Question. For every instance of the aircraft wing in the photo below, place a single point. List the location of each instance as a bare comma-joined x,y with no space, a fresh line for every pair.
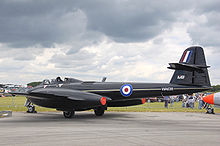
67,95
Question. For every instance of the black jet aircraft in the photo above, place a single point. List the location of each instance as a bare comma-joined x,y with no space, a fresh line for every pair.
70,95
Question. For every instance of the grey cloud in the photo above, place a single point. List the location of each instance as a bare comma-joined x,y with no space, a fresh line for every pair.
81,23
20,54
206,32
9,65
207,6
79,61
29,23
45,23
131,21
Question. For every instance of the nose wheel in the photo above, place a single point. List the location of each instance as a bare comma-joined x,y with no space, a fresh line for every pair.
30,106
68,114
31,109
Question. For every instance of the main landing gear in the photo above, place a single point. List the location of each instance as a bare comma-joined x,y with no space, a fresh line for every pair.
68,114
99,111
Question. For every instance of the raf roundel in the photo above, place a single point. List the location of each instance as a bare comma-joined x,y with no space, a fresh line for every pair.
126,90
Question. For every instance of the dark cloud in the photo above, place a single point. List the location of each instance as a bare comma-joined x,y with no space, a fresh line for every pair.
131,21
206,28
81,23
45,23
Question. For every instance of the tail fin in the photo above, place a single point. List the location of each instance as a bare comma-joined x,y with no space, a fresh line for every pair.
191,69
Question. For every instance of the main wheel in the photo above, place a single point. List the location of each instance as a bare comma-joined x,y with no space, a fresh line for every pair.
99,111
68,114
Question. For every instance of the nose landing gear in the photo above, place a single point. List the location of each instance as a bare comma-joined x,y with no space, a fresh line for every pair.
30,106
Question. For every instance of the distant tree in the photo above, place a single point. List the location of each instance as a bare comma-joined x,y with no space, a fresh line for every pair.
34,84
215,88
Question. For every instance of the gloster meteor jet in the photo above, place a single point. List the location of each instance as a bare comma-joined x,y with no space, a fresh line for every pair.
70,95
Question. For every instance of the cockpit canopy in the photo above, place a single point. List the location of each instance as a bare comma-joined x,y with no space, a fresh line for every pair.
58,80
46,82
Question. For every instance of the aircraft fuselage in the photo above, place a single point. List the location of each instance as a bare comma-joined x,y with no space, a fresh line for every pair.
113,90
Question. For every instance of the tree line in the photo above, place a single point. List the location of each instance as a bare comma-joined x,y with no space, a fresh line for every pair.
34,84
215,88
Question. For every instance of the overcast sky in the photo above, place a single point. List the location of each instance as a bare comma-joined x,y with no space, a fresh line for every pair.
125,40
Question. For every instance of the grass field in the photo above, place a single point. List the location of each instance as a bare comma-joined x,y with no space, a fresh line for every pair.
17,104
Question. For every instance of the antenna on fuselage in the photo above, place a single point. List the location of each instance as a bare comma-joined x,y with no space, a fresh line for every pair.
104,79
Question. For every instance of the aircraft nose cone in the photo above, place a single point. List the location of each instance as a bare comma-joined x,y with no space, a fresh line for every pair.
209,99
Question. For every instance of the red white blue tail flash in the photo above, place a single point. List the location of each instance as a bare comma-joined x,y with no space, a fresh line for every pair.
186,56
126,90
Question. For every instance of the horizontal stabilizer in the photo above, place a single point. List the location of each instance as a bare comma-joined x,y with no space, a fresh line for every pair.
187,67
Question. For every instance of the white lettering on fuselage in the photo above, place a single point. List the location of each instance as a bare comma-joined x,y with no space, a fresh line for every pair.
181,77
167,89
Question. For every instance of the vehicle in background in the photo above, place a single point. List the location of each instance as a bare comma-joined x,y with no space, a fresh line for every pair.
2,90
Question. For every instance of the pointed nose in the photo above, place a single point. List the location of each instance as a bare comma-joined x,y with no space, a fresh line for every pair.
209,99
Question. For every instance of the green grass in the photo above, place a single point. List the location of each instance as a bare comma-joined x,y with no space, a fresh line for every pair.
6,103
17,104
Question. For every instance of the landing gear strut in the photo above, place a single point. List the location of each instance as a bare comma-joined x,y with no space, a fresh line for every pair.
99,111
30,106
68,114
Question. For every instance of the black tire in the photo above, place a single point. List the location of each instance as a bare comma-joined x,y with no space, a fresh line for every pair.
210,111
213,111
99,111
68,114
31,109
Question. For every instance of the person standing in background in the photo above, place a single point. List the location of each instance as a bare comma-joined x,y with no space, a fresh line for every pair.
166,100
177,98
171,101
187,100
200,101
191,101
184,101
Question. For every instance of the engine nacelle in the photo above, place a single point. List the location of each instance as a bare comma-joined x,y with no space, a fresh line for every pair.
127,102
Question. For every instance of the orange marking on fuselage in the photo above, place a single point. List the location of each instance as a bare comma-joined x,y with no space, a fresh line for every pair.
209,99
103,100
143,100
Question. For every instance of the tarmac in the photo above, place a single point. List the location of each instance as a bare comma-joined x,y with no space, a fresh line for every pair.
114,128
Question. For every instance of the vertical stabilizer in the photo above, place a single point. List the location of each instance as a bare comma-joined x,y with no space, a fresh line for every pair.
191,69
